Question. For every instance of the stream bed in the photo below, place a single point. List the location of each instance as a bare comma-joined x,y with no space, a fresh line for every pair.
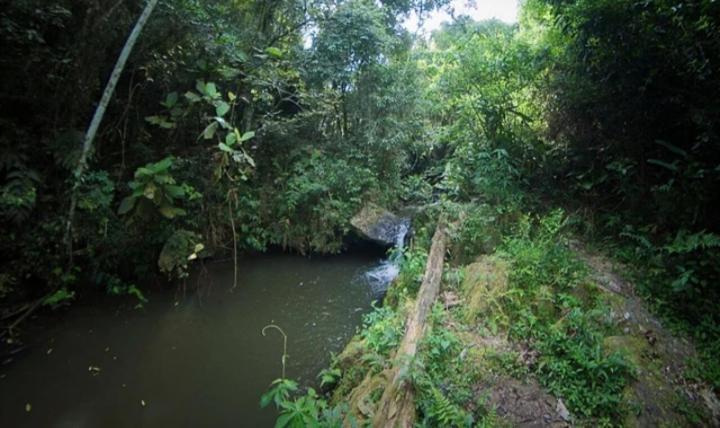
194,361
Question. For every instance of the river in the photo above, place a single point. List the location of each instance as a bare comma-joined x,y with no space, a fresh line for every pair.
197,360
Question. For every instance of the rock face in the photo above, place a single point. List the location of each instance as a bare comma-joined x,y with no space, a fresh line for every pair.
524,404
378,224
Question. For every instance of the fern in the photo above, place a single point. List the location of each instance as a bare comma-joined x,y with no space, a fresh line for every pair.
440,411
685,243
641,240
66,149
18,194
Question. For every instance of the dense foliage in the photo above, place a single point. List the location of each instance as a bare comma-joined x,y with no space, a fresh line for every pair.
242,125
224,127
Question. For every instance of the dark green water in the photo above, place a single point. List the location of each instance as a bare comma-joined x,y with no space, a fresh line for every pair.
195,362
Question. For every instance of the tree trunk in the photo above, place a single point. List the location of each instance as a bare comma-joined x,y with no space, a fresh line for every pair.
397,405
97,119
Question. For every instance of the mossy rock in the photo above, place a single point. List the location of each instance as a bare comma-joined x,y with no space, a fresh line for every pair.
484,283
352,354
350,363
652,398
587,293
632,348
377,223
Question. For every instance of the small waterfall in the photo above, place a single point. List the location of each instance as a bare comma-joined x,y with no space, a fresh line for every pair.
380,277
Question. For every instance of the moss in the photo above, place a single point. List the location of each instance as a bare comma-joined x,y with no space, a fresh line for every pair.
615,302
363,398
632,348
485,282
352,354
654,402
587,293
652,397
351,378
349,361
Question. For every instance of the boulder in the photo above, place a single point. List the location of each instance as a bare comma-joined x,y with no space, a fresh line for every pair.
378,224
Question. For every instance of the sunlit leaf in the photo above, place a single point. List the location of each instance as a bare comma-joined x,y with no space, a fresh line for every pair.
149,191
171,212
274,52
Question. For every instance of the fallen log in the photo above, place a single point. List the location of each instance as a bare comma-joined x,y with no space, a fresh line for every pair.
397,404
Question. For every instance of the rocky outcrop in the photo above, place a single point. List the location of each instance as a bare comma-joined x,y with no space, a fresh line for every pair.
378,224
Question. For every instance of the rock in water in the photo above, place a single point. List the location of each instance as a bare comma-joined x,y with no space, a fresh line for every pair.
378,224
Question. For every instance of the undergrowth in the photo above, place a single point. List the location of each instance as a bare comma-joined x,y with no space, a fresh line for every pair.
677,274
549,307
443,379
543,309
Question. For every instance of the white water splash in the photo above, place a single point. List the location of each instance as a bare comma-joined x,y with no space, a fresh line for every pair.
380,277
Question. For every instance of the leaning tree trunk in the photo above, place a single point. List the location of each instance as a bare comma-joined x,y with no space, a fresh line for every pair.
397,405
97,119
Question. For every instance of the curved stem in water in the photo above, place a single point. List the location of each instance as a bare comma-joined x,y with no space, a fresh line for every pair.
284,355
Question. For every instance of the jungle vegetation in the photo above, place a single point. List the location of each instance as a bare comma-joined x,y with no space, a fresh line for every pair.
244,125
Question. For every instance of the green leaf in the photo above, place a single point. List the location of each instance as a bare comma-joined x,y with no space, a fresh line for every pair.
170,100
249,159
155,120
274,52
209,132
211,90
246,136
161,166
672,148
222,108
224,147
171,212
192,97
231,139
174,191
283,420
658,162
163,179
267,398
60,296
143,171
222,122
149,191
126,205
